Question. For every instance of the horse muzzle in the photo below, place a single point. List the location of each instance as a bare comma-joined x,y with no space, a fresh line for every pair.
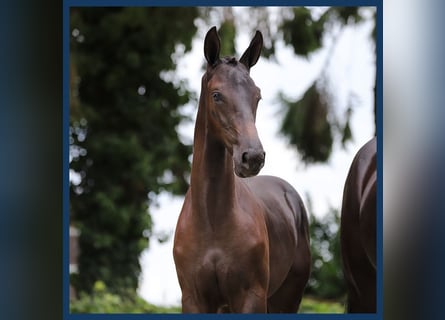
249,162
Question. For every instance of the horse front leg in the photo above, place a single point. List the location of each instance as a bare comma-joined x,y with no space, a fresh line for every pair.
248,284
189,304
253,300
199,304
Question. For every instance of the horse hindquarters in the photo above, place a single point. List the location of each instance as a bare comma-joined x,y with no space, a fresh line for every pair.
358,231
359,273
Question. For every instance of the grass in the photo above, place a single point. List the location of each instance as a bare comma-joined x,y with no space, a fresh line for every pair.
308,305
313,305
102,301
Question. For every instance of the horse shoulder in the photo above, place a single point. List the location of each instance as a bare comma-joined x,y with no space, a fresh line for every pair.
181,243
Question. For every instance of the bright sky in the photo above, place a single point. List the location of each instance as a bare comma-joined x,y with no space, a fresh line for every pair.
354,70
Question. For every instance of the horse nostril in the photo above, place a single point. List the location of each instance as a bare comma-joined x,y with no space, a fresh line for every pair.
248,158
244,157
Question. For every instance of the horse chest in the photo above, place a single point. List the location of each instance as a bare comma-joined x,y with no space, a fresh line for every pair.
221,247
221,270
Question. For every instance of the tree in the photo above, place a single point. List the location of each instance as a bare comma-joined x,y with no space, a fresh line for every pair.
123,140
326,280
307,123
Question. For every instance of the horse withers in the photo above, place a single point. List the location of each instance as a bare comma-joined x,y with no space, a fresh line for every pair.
241,242
358,230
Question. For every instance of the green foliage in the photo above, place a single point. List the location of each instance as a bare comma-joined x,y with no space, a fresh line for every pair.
307,126
308,123
347,133
227,33
303,32
326,280
346,15
101,300
310,305
123,139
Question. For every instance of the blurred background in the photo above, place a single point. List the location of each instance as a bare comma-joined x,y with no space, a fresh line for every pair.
33,170
134,87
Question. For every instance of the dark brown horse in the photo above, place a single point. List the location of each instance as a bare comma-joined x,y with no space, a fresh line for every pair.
241,244
358,230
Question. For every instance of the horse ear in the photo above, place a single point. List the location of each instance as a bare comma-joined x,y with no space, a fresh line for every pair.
252,53
212,46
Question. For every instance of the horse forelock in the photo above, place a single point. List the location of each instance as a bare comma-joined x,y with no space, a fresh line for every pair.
227,60
230,60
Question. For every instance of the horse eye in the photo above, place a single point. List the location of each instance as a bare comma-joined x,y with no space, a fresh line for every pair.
217,96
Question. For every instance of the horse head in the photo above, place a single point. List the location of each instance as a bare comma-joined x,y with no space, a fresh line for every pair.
231,98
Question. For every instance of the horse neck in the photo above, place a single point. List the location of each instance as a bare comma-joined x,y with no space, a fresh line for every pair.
212,177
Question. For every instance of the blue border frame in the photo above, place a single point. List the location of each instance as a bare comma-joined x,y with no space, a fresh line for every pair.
65,124
379,131
221,3
65,157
